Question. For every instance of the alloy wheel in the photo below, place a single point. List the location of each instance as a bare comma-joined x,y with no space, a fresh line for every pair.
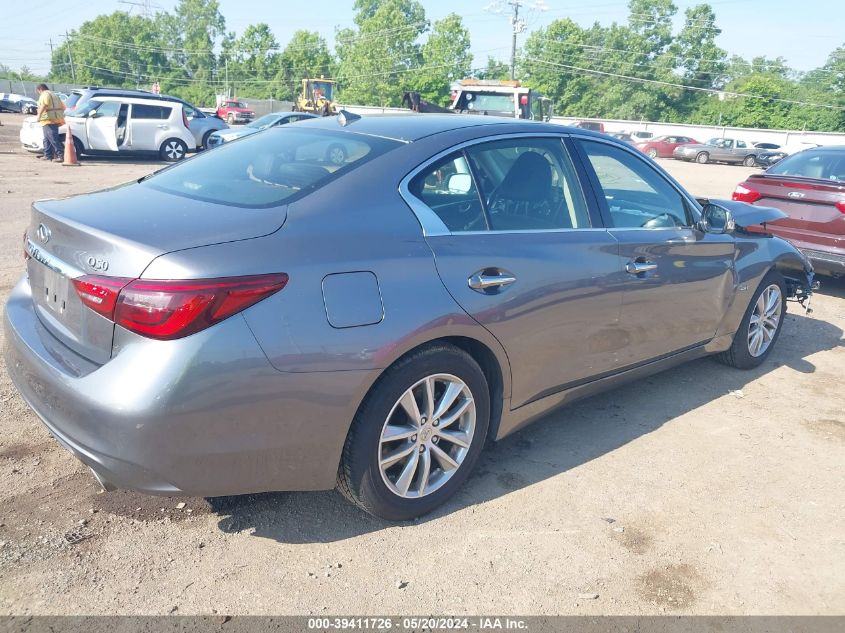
174,150
765,320
426,436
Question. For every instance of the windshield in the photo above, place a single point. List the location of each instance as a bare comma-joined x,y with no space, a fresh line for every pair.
235,104
486,102
72,100
266,121
91,104
322,90
264,170
820,165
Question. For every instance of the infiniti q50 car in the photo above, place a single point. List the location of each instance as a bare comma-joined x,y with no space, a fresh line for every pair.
262,318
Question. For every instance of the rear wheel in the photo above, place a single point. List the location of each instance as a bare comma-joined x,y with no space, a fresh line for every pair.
173,150
652,153
205,139
417,435
336,154
761,325
702,158
750,161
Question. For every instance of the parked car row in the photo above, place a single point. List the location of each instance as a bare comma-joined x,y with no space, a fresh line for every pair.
11,102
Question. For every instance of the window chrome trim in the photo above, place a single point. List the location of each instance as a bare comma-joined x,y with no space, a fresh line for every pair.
431,223
694,206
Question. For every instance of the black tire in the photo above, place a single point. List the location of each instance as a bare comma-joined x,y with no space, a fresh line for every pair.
702,158
739,355
173,150
77,145
230,119
336,154
651,153
359,476
205,139
750,161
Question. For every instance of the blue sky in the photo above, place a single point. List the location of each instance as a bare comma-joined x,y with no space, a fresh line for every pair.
749,27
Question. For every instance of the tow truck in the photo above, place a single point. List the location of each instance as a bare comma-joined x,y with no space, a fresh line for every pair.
480,96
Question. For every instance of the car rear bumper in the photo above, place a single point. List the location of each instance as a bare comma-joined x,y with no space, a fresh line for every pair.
824,261
206,415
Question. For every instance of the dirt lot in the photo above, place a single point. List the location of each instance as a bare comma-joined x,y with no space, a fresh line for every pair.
701,490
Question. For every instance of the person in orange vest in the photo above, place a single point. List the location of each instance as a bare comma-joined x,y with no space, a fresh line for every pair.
51,115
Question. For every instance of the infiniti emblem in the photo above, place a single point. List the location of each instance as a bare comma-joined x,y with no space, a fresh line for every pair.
43,233
795,194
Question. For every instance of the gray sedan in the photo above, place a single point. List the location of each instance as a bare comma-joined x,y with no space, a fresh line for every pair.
721,150
267,121
261,318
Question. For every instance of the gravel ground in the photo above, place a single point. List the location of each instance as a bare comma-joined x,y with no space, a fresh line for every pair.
702,490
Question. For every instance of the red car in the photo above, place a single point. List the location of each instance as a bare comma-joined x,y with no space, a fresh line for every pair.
810,188
663,146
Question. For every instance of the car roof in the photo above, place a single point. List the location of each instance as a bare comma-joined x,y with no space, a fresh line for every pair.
133,99
413,126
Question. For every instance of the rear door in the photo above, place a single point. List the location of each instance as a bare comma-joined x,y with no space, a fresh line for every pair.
101,127
518,248
149,126
678,280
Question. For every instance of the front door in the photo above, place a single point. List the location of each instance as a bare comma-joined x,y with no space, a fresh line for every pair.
101,127
678,280
520,251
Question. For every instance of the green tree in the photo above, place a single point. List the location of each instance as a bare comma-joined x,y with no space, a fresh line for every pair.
494,70
306,56
652,20
375,59
251,61
445,59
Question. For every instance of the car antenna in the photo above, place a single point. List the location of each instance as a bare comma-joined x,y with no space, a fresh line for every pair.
344,117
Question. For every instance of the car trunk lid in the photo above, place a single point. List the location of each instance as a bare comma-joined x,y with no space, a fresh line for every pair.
109,233
809,204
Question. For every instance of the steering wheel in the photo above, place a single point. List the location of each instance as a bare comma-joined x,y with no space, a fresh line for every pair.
657,221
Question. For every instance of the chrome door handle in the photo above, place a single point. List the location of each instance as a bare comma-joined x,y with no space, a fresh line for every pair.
635,268
479,281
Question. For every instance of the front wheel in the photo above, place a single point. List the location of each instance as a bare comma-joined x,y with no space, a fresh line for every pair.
173,150
652,153
750,161
761,325
417,435
702,158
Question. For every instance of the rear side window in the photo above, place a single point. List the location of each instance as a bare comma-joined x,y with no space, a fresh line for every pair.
143,111
72,99
263,170
824,165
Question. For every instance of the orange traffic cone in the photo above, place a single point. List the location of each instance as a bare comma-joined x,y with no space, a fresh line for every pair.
70,151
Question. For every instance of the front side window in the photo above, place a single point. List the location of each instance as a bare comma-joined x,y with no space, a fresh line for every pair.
512,185
274,167
637,195
108,108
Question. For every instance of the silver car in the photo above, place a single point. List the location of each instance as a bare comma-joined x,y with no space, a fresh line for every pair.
720,150
260,318
267,121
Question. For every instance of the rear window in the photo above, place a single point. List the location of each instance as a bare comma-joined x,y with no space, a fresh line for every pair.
72,100
143,111
821,165
268,168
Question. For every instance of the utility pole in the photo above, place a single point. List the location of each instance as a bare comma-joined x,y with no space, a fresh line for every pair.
518,27
70,57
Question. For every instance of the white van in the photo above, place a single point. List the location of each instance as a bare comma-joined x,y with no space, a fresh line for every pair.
124,125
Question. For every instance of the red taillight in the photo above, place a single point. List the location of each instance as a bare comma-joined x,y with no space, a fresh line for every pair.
841,206
173,309
744,193
185,119
100,293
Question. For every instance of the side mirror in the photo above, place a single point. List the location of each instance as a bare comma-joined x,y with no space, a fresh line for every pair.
93,114
716,219
460,183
